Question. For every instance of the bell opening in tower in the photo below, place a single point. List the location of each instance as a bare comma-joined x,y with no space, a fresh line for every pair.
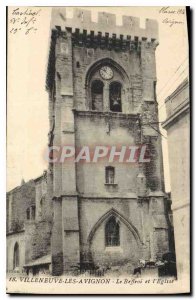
97,95
115,97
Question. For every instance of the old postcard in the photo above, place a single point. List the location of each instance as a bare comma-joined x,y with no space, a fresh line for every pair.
98,198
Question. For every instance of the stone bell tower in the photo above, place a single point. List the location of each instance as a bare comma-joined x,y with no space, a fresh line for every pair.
101,81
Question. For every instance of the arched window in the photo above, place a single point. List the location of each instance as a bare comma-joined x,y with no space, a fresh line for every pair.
109,175
16,256
33,212
112,233
115,97
41,205
28,213
97,95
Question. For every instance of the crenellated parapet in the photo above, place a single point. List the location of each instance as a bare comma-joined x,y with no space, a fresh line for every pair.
104,34
81,22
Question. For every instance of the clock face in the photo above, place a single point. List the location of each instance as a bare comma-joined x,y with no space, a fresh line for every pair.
106,72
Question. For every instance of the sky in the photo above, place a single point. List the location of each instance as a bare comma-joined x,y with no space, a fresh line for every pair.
27,99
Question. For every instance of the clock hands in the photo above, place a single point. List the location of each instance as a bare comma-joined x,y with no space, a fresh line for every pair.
106,72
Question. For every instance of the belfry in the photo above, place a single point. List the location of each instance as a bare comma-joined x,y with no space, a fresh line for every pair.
101,82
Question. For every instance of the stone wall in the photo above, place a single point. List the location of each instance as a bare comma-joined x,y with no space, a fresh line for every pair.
93,130
38,231
38,239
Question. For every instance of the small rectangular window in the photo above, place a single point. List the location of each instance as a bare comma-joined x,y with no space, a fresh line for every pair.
109,175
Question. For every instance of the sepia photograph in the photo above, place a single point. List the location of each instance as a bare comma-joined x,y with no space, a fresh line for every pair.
98,150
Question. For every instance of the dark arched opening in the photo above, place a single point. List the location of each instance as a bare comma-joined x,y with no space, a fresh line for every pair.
97,95
33,212
28,213
16,256
115,97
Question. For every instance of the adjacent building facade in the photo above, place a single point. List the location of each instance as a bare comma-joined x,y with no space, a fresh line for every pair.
177,125
101,81
20,201
29,224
